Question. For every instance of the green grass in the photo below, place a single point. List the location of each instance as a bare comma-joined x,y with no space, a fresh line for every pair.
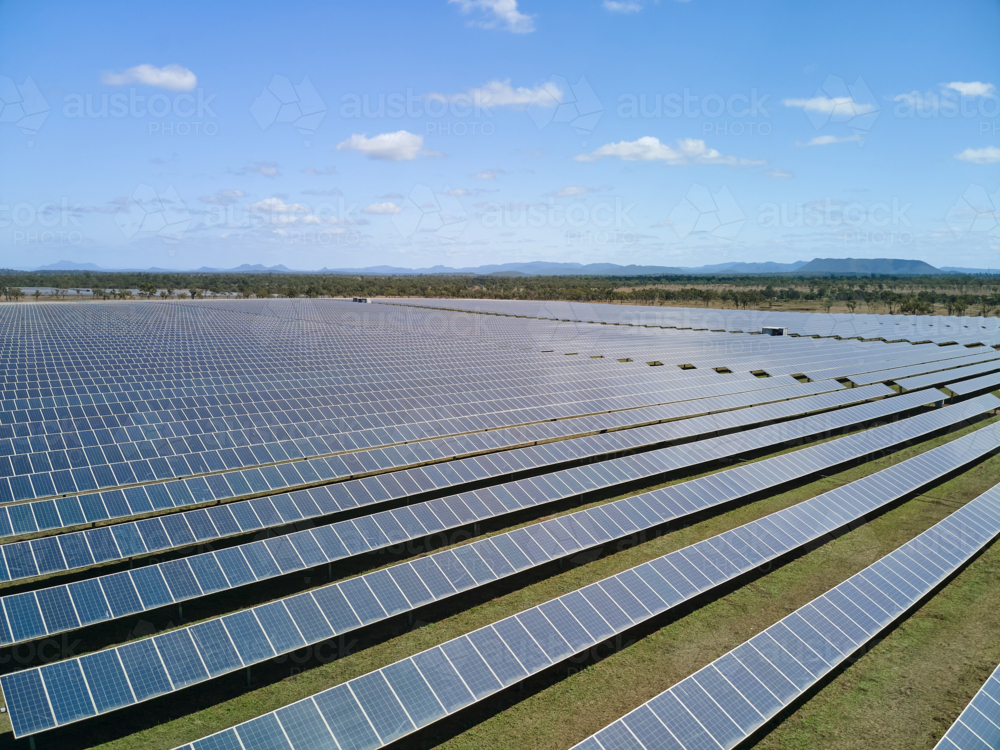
907,689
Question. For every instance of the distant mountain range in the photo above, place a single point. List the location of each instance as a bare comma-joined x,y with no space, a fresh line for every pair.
543,268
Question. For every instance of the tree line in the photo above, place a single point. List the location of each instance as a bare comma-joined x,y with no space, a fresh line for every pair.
956,295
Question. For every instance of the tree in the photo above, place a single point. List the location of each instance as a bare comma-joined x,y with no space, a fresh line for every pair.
37,294
851,304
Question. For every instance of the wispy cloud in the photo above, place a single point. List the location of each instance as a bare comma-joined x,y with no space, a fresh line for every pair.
399,146
487,174
972,88
381,209
498,14
987,155
826,140
779,174
169,77
843,106
628,6
264,168
499,93
316,170
223,197
689,151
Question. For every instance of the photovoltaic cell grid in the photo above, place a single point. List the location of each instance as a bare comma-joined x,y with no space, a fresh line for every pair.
949,376
417,691
355,401
48,611
254,635
991,382
66,512
77,461
48,555
56,446
937,329
723,703
978,726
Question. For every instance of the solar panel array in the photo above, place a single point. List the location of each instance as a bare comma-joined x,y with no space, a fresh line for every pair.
133,429
726,701
82,549
71,511
938,329
949,376
978,726
49,611
382,706
984,383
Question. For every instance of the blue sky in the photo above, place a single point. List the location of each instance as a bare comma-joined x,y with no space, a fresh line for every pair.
488,131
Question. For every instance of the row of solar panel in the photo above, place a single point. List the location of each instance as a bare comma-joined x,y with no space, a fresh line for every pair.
105,544
729,699
50,611
978,726
380,707
481,391
217,452
949,376
846,326
63,513
42,612
976,384
88,478
921,366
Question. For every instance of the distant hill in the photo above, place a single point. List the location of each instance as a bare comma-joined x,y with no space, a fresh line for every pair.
887,266
956,269
832,266
768,267
69,265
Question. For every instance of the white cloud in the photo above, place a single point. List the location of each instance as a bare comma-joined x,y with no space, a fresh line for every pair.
571,191
839,105
264,168
987,155
325,170
328,191
223,197
499,12
169,77
779,174
499,93
456,193
629,6
826,140
398,146
279,212
648,148
487,174
381,209
972,88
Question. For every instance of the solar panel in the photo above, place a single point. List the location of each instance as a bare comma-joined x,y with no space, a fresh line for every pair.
777,666
184,529
978,726
69,511
352,603
465,670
